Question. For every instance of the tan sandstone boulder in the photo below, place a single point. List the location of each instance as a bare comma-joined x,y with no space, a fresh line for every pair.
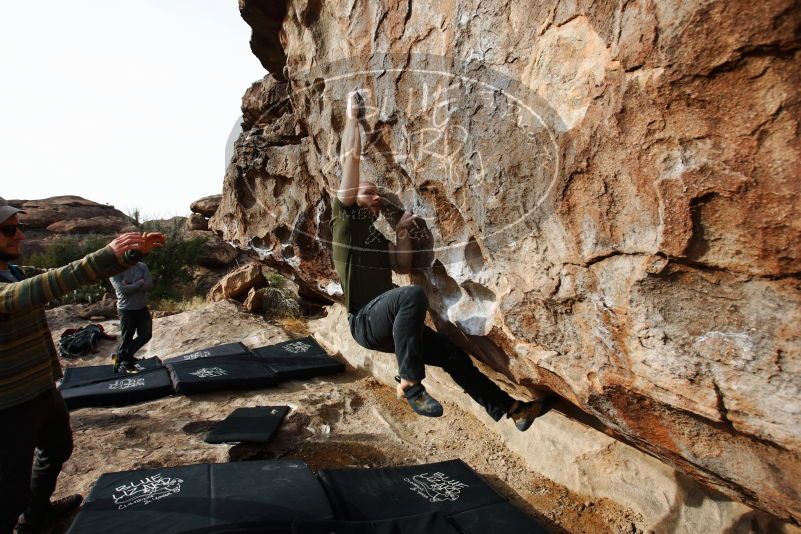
611,188
215,251
196,221
238,282
272,301
206,206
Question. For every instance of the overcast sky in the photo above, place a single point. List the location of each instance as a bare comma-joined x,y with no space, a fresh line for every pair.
125,103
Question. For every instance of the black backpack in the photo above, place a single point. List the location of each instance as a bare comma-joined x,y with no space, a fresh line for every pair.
76,342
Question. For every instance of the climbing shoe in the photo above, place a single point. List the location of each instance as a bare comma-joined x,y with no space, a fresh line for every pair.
526,412
43,520
421,402
115,361
129,368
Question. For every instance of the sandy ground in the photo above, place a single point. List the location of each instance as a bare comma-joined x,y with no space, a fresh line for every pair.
346,420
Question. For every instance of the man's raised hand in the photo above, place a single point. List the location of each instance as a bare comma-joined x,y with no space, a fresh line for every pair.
409,226
143,243
355,108
153,240
408,221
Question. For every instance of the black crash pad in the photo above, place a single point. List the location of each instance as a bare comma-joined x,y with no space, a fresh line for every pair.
220,373
82,376
502,517
418,524
298,359
250,425
261,496
371,494
227,349
121,390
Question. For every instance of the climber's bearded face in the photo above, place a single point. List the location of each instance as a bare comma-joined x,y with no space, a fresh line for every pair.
369,198
9,245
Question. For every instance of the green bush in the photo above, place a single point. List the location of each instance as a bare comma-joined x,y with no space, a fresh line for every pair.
66,250
275,279
171,266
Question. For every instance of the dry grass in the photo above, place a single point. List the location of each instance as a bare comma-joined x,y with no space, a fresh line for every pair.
294,326
178,306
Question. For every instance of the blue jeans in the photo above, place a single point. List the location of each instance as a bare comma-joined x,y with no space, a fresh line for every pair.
395,322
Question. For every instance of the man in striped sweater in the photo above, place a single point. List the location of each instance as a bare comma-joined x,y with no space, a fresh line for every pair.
35,434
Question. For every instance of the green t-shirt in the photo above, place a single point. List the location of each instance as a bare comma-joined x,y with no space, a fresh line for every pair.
361,256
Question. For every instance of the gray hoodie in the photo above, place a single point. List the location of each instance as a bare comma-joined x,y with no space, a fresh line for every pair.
132,287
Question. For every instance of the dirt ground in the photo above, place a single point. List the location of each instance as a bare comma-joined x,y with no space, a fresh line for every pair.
345,420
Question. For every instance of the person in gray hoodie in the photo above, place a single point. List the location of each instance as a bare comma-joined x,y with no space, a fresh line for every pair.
132,287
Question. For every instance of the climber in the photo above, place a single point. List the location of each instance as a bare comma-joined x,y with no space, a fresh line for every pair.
391,319
35,434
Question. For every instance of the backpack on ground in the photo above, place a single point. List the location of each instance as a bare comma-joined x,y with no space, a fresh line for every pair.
76,342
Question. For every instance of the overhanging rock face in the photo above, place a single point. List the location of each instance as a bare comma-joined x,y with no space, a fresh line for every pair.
612,193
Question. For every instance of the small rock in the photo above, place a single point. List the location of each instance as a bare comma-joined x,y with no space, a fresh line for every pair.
215,252
197,221
238,282
273,301
206,206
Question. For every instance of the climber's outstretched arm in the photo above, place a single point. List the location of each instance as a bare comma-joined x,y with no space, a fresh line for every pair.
350,152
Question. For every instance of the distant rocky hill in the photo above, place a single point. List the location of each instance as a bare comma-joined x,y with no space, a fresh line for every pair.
50,218
72,217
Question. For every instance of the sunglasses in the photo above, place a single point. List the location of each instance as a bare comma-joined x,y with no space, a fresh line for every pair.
11,229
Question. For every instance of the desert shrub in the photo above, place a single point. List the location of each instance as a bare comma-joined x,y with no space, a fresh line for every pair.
65,250
173,305
136,215
275,278
171,266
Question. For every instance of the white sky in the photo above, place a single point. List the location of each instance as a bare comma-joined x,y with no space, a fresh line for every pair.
121,102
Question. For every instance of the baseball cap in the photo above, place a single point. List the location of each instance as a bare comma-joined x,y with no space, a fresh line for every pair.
7,210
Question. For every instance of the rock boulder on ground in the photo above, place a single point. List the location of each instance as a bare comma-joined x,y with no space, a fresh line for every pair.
272,301
238,282
196,221
103,308
612,192
215,252
204,278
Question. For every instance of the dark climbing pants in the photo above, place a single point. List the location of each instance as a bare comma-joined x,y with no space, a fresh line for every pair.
395,322
35,441
134,322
